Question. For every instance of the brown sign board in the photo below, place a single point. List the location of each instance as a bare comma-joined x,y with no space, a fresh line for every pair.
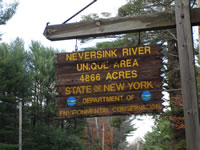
109,98
109,110
109,78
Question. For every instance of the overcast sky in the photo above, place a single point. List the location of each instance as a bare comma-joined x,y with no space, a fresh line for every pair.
32,15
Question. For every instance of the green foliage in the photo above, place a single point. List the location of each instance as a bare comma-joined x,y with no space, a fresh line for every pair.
94,16
123,128
44,137
30,76
6,12
13,68
159,138
141,7
89,17
14,84
8,146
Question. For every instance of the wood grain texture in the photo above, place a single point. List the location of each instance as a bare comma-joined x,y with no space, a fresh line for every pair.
122,68
102,27
110,110
188,79
109,99
142,74
61,57
98,66
115,87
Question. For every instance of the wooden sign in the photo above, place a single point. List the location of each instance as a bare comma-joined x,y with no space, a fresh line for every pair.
118,77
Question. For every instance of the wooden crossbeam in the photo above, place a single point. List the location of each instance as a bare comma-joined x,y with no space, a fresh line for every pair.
112,26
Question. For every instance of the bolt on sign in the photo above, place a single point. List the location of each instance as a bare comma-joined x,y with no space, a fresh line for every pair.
116,81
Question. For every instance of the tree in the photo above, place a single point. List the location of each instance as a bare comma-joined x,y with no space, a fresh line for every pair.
43,74
30,77
159,138
14,85
41,129
122,128
7,12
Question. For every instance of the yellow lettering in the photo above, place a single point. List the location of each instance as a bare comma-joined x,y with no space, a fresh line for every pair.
128,74
116,65
114,75
141,51
149,85
121,74
143,84
135,63
140,85
128,63
88,89
134,51
125,52
113,53
147,50
113,87
67,90
80,55
85,67
63,113
108,76
68,57
74,57
79,67
93,66
110,87
102,99
122,63
134,73
75,90
107,53
120,86
93,55
87,55
99,54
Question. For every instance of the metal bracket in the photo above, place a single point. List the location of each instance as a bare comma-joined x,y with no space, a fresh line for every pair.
99,26
79,11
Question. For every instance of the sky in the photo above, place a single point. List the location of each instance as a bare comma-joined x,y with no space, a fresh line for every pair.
32,15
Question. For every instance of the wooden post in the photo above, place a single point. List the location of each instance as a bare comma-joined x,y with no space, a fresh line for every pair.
198,2
20,124
188,78
102,136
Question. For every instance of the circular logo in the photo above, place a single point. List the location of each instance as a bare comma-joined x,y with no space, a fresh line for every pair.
146,95
71,101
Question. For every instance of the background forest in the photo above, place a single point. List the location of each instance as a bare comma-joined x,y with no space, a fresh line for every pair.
28,75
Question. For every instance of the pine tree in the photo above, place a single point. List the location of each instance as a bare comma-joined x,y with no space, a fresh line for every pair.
7,12
14,85
41,129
